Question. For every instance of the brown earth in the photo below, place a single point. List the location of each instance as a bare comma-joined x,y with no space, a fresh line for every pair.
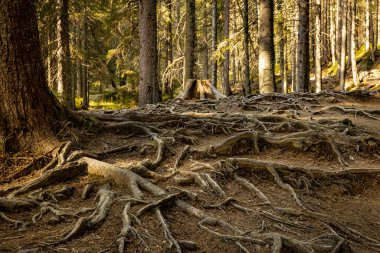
311,169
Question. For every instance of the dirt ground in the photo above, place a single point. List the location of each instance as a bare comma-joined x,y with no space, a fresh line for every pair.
269,173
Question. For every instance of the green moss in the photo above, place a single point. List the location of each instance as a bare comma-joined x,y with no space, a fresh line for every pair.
332,70
361,53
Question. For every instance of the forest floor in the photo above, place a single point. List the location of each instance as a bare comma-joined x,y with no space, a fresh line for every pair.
269,173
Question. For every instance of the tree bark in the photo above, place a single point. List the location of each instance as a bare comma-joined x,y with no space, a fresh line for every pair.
266,48
367,24
303,46
214,27
28,109
226,64
190,41
85,85
332,35
205,43
63,55
355,75
318,46
247,82
282,35
148,85
342,65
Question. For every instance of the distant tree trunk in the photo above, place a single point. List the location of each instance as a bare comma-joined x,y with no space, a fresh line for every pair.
332,35
377,24
247,82
205,43
372,34
148,85
226,64
190,41
214,27
295,83
234,70
266,48
318,46
28,110
342,65
283,52
303,46
338,32
169,49
367,24
355,75
51,62
79,61
85,85
63,55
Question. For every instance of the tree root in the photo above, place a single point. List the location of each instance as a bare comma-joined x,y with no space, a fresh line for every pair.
16,223
60,174
253,188
106,198
173,243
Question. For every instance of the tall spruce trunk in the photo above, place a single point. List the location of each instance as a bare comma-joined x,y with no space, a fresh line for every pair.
342,65
190,41
266,47
367,24
205,43
28,109
226,64
214,37
247,82
85,85
148,58
303,46
63,55
318,47
332,34
354,68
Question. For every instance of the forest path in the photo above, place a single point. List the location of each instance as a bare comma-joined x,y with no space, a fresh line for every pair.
303,169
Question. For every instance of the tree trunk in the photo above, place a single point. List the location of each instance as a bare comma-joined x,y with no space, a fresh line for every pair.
205,42
303,46
338,30
282,35
63,55
148,85
355,75
85,86
226,64
247,82
214,27
332,35
266,48
367,24
28,109
342,65
377,24
318,46
190,41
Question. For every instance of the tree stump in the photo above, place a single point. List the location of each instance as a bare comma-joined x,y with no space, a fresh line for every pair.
200,89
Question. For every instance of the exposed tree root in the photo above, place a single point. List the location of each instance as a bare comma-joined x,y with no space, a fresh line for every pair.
16,223
214,175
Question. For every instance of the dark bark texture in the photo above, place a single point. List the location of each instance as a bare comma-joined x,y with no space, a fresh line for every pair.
226,64
303,46
214,24
27,107
247,81
148,86
190,41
